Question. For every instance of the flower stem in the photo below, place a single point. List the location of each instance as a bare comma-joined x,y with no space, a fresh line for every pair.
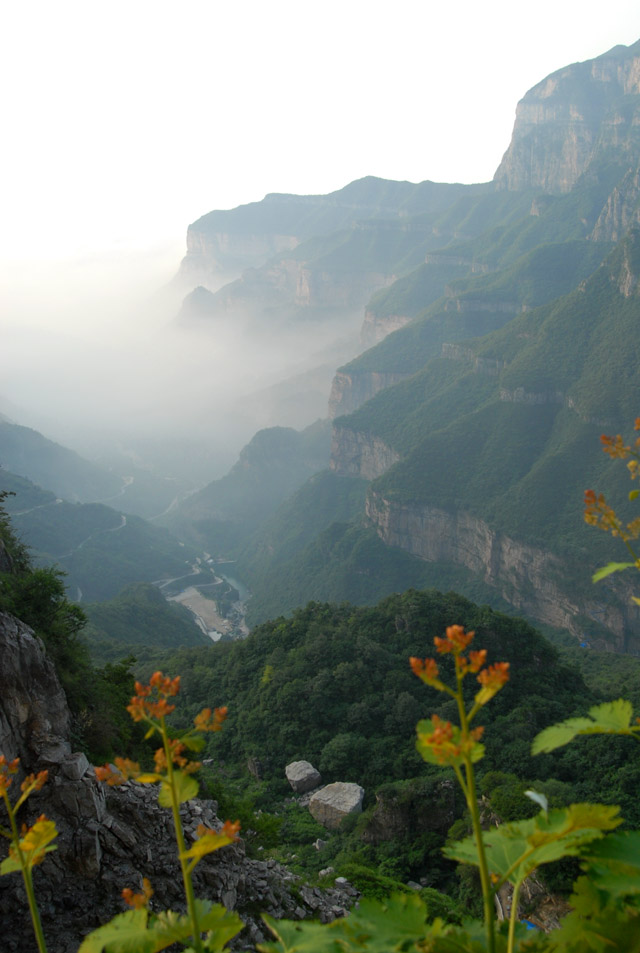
27,876
184,864
472,804
513,917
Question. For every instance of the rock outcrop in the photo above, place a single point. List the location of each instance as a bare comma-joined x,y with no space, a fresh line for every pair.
356,454
302,776
109,838
331,804
351,390
376,328
395,814
531,579
570,120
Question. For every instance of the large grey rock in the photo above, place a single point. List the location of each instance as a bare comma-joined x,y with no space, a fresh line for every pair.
331,804
109,838
34,717
302,776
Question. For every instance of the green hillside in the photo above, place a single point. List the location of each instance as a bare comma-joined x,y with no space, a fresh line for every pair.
99,549
272,466
137,618
27,453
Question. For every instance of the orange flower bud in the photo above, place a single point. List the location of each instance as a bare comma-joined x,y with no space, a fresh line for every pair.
210,721
138,900
456,640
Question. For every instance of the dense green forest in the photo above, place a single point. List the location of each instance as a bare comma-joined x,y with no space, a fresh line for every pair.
332,685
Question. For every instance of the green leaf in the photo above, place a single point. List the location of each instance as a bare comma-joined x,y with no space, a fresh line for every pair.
126,933
185,786
608,718
193,742
169,927
613,863
395,925
300,937
515,850
633,494
594,926
609,569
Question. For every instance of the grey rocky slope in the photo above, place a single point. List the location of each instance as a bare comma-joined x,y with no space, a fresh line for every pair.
112,837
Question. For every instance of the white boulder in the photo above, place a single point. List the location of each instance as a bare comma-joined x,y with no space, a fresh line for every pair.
302,776
334,802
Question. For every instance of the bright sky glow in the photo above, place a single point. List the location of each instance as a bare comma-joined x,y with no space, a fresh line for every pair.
124,121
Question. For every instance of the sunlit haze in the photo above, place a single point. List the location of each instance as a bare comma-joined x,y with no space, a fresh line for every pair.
124,122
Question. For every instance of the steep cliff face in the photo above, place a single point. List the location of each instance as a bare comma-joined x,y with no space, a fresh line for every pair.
110,838
284,289
570,120
360,455
222,244
351,390
532,580
376,327
212,256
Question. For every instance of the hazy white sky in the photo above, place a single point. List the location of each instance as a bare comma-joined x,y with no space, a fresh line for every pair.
124,121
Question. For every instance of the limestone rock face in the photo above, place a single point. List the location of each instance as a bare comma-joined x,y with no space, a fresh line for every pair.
351,390
529,577
302,776
110,838
331,804
359,455
569,120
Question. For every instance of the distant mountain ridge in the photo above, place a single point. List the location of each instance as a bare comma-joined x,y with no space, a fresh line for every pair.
508,340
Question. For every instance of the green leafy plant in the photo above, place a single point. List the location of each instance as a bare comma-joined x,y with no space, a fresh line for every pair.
605,915
28,848
138,929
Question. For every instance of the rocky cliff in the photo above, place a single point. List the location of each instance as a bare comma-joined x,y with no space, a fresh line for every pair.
572,119
351,390
109,838
376,327
531,579
360,455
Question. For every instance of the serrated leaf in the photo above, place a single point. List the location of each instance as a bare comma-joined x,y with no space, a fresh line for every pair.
594,926
614,863
397,923
185,785
608,718
169,927
126,933
609,569
515,850
304,936
222,925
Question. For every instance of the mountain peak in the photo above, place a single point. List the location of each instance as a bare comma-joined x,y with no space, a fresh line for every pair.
567,122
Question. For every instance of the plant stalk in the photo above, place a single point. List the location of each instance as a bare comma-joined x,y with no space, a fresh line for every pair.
27,877
472,804
184,864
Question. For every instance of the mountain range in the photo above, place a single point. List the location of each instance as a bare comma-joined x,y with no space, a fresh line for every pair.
488,333
501,335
